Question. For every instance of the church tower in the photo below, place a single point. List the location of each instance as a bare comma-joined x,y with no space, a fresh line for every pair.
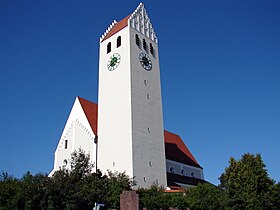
130,121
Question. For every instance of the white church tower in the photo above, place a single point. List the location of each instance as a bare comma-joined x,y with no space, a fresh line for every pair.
130,121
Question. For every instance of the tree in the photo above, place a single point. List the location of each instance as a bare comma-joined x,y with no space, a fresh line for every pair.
156,198
205,196
115,184
153,198
9,191
247,184
80,163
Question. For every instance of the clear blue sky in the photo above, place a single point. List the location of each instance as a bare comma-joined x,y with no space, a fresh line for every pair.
220,73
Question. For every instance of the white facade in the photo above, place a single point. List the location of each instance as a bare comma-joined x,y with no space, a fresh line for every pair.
130,122
130,129
77,134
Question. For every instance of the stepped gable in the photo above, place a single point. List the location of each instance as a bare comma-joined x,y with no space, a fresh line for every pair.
138,20
114,28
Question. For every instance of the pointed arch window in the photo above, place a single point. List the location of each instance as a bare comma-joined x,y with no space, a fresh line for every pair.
109,47
145,45
137,40
119,41
152,50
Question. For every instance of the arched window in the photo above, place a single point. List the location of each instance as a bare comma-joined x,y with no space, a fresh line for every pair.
137,40
64,163
109,47
145,45
119,41
183,172
171,169
152,50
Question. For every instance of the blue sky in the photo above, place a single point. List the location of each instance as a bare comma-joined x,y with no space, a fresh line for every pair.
220,74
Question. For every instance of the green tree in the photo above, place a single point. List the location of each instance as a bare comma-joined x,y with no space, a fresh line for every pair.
9,191
92,188
247,184
80,163
33,191
205,196
115,184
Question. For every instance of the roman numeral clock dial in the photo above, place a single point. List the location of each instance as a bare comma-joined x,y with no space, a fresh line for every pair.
145,61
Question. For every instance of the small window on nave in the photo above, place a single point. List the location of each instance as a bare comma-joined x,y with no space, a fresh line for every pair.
145,45
119,41
137,40
65,144
109,47
183,172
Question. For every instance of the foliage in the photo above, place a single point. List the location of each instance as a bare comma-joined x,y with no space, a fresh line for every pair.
156,198
205,196
9,188
80,163
116,183
77,188
247,184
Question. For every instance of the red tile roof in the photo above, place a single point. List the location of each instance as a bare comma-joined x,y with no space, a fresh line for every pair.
90,110
175,149
119,26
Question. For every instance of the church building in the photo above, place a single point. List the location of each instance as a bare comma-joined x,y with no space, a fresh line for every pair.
125,131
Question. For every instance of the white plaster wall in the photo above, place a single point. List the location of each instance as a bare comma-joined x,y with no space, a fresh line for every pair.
197,172
78,132
114,108
147,120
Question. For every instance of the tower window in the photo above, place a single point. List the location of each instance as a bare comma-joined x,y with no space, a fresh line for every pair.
148,96
137,40
145,179
149,130
65,144
145,45
119,41
150,163
152,50
109,47
145,82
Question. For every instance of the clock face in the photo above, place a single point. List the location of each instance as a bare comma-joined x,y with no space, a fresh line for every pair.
114,61
145,61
